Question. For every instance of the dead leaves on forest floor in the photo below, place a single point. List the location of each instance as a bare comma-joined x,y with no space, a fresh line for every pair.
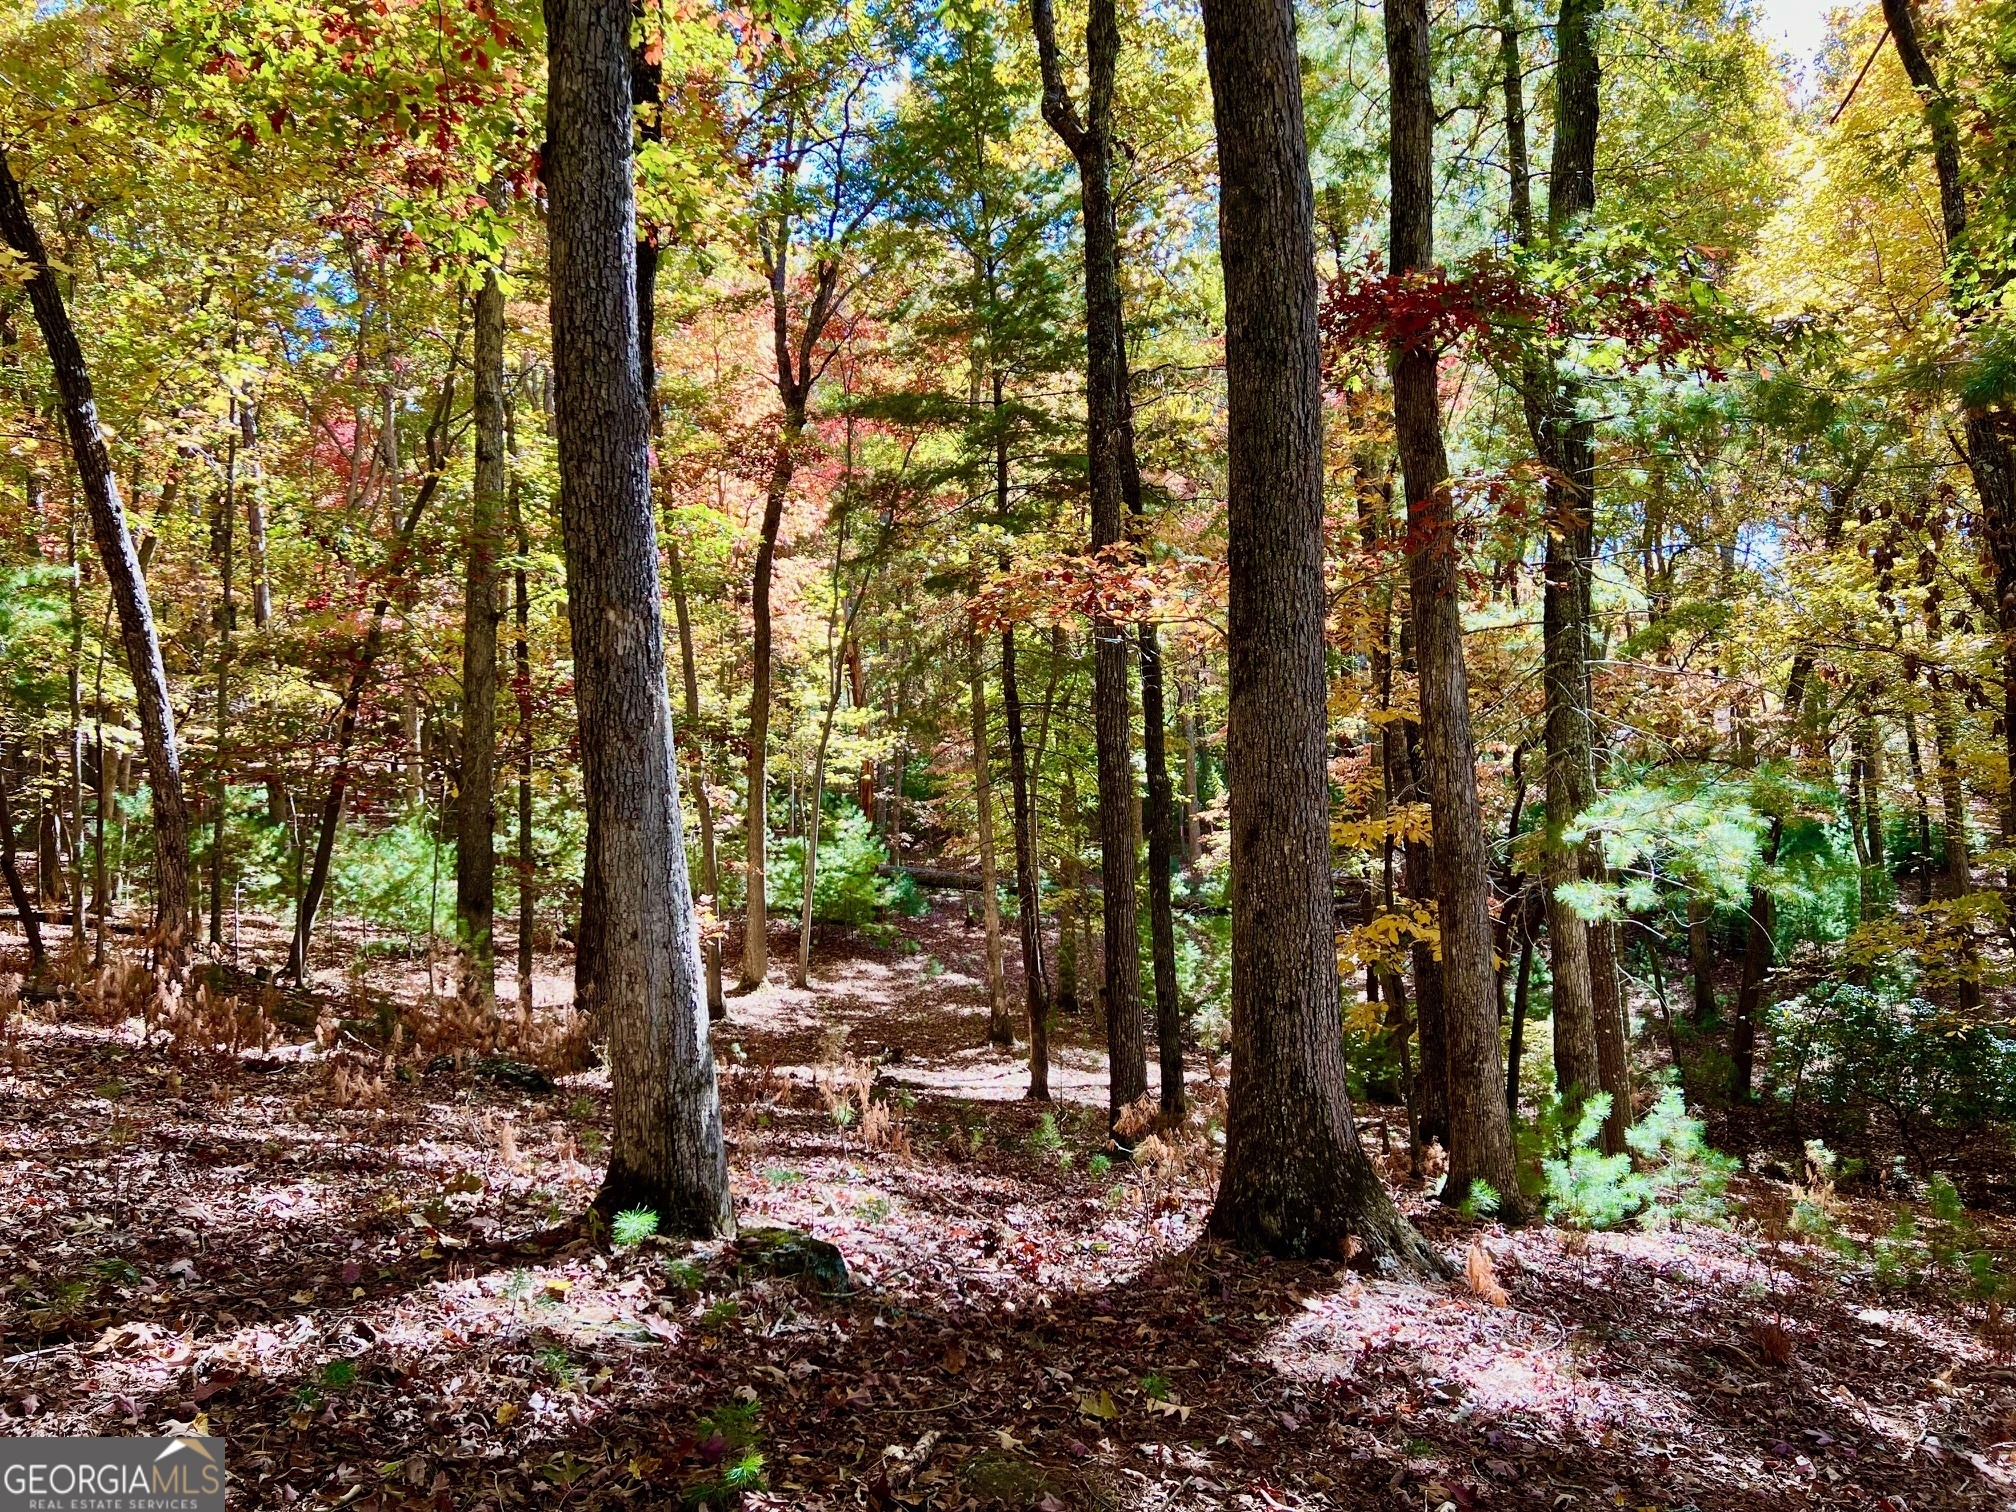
373,1305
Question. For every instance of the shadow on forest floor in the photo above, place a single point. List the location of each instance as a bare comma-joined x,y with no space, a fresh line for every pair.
351,1275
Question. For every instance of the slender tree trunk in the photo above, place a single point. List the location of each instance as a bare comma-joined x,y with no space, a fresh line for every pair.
227,619
1160,821
1430,1085
1870,751
362,660
476,800
1296,1181
521,688
1000,1025
1480,1132
1090,142
666,1153
1193,847
1701,959
1924,816
1028,896
255,521
24,904
755,937
717,1002
75,877
1158,816
1516,1043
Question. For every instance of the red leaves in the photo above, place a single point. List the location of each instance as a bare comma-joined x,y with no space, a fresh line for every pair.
1413,310
1656,316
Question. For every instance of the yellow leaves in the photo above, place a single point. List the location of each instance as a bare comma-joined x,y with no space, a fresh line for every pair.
1100,1406
15,269
1389,937
1404,823
505,1412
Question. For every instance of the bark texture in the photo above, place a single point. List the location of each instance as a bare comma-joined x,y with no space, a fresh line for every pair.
1296,1181
666,1152
1480,1132
122,571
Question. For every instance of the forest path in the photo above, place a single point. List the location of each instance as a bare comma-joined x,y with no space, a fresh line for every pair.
351,1272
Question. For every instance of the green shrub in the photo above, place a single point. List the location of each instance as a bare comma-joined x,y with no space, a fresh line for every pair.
1855,1051
847,889
1677,1177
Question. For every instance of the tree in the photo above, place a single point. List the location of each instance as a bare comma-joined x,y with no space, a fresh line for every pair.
800,145
122,570
1480,1132
1296,1181
482,610
1108,443
666,1153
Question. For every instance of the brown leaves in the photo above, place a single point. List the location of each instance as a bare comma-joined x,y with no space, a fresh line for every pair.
1482,1277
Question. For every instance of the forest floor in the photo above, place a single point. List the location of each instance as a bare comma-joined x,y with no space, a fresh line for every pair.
363,1276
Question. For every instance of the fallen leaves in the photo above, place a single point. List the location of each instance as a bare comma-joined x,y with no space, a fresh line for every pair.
1482,1278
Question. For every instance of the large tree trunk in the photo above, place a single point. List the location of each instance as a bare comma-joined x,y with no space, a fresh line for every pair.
476,799
122,573
1000,1027
1480,1132
1091,145
1296,1181
666,1153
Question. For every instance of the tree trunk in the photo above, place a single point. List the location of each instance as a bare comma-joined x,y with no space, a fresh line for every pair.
1430,1083
255,523
1701,960
1090,143
122,573
1028,898
476,799
521,688
1480,1132
1193,846
666,1153
1296,1181
227,617
75,879
717,1002
1160,821
24,904
1000,1026
1516,1039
